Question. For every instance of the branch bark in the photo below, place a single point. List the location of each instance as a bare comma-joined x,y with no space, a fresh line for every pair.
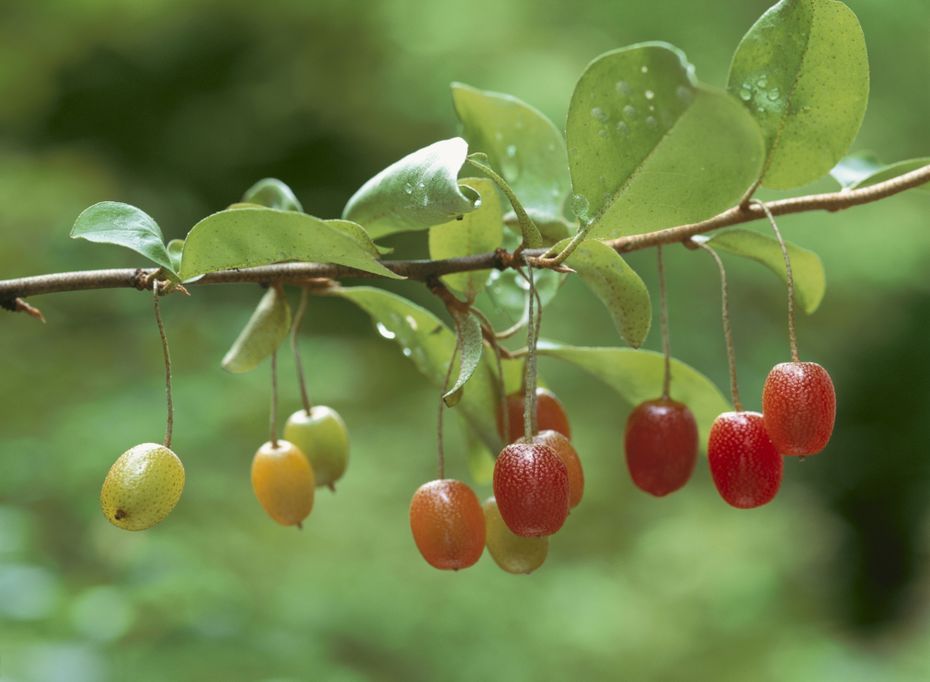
422,270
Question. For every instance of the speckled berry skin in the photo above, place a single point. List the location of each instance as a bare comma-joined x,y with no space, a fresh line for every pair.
549,415
661,444
532,489
513,553
799,407
744,463
142,487
563,447
448,524
283,481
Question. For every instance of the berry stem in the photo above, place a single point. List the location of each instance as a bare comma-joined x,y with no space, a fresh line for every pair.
532,336
298,363
789,278
663,318
169,422
727,330
440,441
273,419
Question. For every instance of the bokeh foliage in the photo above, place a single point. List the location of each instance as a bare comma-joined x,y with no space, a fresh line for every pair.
178,108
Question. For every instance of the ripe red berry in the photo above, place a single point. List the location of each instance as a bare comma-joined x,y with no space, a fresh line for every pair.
744,463
448,524
532,490
661,445
549,415
563,448
799,407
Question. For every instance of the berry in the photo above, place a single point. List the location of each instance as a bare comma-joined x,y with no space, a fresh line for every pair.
283,481
661,445
513,553
532,490
561,446
322,436
799,407
142,487
744,463
447,524
549,415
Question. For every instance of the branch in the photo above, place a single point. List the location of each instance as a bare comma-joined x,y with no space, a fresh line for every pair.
423,270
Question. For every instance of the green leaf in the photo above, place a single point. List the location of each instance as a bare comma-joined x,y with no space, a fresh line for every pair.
175,246
617,285
471,345
247,237
262,334
111,222
649,147
637,376
803,73
863,169
417,192
810,282
429,344
272,193
509,292
520,142
477,232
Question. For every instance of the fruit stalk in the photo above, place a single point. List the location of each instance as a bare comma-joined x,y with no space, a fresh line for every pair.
298,362
169,421
663,320
789,278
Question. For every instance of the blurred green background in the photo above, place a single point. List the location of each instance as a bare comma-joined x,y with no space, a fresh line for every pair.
178,107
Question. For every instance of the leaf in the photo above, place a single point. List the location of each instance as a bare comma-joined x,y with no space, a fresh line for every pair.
520,142
531,236
417,192
803,73
110,222
509,292
429,344
617,285
863,169
471,345
810,282
247,237
477,232
262,334
175,246
637,376
272,193
650,147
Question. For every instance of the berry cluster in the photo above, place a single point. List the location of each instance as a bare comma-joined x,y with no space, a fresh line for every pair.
536,482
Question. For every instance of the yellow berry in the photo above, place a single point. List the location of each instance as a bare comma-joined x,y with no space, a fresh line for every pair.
283,481
142,487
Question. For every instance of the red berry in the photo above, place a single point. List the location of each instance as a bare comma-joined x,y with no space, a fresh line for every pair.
563,448
549,415
448,524
743,461
661,445
532,489
799,407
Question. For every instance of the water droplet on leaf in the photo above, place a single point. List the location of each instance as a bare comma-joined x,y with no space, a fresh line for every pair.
629,112
650,94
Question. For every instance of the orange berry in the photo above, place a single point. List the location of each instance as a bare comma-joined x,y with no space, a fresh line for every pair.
561,446
549,415
447,524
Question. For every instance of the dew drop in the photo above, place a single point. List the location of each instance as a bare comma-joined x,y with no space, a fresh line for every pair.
644,69
684,94
602,132
651,121
411,322
407,352
773,94
599,114
384,331
650,94
745,95
760,109
579,205
511,150
762,82
623,128
623,88
629,112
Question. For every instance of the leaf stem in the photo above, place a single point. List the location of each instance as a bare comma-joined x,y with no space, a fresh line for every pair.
166,353
789,278
295,347
531,235
727,329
